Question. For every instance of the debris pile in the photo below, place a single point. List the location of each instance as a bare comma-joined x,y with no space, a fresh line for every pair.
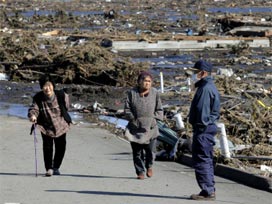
26,56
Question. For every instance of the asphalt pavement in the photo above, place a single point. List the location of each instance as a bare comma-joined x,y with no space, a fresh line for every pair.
98,169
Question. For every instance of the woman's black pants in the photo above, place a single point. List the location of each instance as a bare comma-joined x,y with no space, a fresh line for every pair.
60,147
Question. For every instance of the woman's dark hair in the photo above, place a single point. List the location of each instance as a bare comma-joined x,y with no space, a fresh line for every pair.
46,78
143,75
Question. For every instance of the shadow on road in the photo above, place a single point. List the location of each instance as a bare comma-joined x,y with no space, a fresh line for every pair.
108,193
62,175
122,194
19,174
94,176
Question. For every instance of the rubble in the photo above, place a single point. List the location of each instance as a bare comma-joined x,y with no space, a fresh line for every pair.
247,31
70,61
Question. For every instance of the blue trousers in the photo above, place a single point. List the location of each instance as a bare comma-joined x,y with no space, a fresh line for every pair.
202,154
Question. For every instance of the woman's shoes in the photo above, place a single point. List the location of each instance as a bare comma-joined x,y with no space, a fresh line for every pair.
149,172
56,172
140,176
51,172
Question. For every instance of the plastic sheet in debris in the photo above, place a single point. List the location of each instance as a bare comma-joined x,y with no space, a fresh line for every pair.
4,77
168,136
119,123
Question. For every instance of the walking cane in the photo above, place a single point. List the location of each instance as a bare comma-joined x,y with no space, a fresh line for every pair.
33,129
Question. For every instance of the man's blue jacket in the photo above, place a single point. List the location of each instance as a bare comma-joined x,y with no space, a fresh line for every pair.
205,107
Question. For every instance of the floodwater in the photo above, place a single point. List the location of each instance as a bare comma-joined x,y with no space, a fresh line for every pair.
181,61
249,10
20,111
169,14
10,109
31,13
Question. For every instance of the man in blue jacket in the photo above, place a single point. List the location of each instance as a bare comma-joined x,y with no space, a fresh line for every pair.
204,112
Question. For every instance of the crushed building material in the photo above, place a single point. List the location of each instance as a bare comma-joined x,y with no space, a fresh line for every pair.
247,31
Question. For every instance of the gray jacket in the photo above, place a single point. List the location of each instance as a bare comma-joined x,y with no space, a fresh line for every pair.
142,113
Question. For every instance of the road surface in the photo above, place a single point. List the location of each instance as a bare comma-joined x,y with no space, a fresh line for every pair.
98,169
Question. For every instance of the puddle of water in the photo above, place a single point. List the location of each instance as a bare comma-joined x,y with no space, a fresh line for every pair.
31,13
164,13
59,0
267,70
241,10
171,16
20,111
85,28
170,58
10,109
175,64
181,61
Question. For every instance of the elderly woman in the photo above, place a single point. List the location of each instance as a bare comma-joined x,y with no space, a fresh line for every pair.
142,108
49,111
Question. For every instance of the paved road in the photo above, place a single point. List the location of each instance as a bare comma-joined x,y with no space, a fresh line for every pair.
98,169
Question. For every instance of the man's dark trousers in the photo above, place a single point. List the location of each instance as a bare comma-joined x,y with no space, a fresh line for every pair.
202,152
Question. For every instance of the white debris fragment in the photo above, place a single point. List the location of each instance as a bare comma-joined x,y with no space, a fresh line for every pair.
266,168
